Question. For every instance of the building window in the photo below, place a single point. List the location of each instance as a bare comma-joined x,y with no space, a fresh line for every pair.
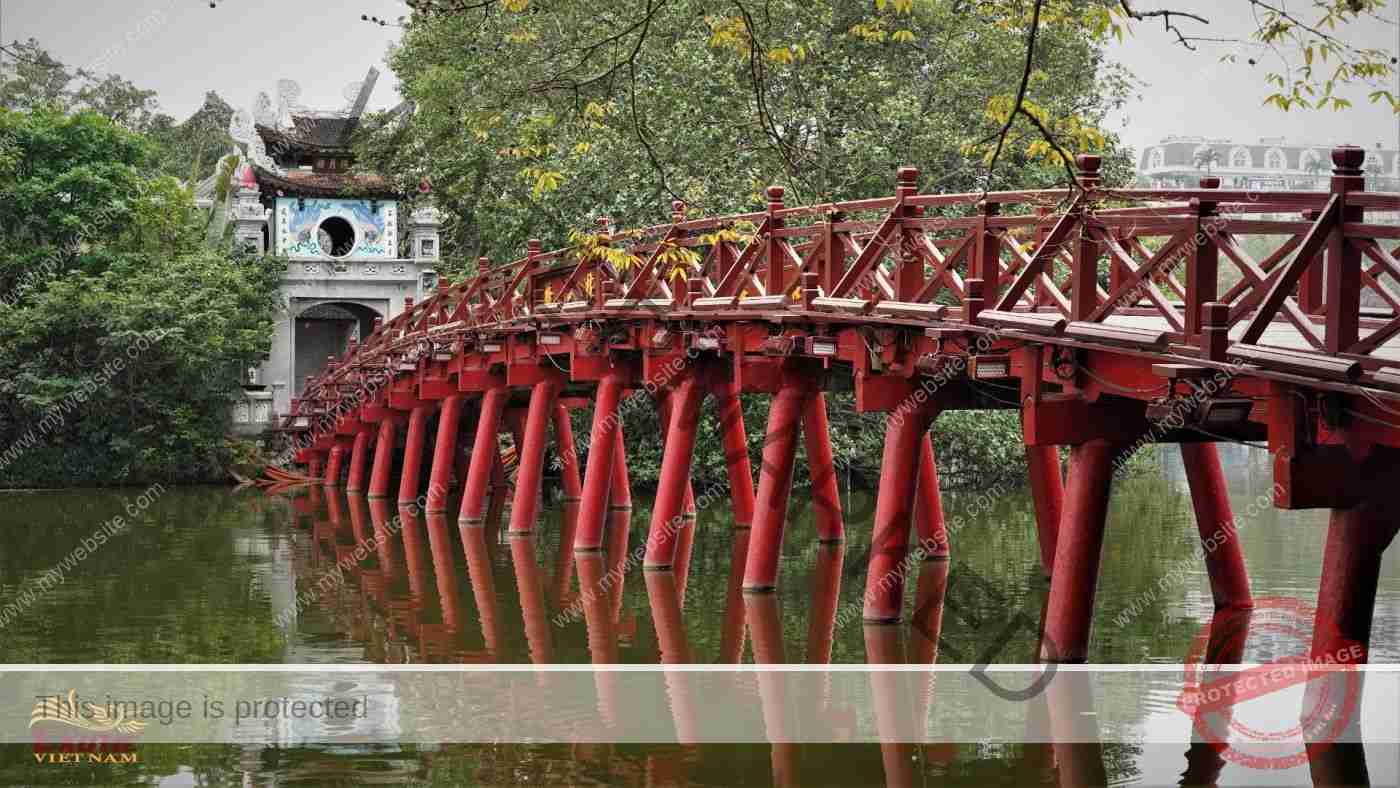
336,236
1157,159
1275,160
1240,158
428,247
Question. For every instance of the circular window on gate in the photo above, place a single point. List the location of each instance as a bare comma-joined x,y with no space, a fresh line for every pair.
337,237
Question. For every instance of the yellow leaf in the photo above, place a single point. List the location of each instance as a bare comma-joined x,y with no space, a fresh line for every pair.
516,5
902,36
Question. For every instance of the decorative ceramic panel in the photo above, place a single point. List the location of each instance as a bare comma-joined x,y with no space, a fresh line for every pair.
302,229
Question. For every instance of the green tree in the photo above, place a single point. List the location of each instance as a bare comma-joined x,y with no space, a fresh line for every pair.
533,118
34,77
122,335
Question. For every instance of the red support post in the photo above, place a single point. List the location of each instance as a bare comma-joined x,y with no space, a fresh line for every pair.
382,474
313,466
620,488
599,471
933,534
1048,494
413,454
1343,272
1078,549
486,456
1351,567
889,545
336,463
359,458
668,511
529,473
1085,277
1229,580
826,492
568,455
775,281
736,452
1202,264
775,484
988,252
444,453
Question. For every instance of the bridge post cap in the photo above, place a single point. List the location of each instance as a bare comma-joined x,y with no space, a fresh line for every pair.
534,245
407,303
1347,159
907,176
1089,163
678,207
775,193
1210,182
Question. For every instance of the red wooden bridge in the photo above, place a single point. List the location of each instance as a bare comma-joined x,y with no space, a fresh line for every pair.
1112,318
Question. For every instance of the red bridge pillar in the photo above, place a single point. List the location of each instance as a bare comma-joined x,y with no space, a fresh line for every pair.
382,473
668,512
568,455
530,471
337,462
444,453
313,466
889,545
603,446
486,455
1229,580
1048,492
1074,580
359,458
775,482
620,487
826,492
933,534
736,452
1351,567
413,454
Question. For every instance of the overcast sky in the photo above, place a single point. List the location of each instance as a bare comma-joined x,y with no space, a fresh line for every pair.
182,48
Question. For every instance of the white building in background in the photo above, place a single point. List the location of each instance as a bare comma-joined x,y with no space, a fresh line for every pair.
356,249
1268,163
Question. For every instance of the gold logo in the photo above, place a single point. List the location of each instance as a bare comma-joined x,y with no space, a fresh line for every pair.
88,716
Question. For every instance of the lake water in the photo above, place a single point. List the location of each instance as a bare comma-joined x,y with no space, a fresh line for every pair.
206,575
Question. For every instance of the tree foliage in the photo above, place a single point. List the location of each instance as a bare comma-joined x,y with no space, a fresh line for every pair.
534,118
122,335
187,150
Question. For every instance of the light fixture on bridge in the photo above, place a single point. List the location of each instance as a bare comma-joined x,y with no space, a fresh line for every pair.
491,347
821,346
991,367
551,339
661,339
705,342
1225,412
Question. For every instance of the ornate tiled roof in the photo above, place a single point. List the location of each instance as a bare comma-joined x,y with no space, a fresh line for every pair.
324,184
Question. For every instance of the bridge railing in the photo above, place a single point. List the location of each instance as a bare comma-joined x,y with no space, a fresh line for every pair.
1287,280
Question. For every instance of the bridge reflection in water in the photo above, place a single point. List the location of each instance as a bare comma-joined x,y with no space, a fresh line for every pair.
404,601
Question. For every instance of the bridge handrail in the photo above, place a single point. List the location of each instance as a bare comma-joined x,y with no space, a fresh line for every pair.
1091,255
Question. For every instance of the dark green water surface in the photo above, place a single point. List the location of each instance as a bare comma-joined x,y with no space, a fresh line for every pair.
211,576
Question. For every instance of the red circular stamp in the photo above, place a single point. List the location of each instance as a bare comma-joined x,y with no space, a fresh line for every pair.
1265,715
